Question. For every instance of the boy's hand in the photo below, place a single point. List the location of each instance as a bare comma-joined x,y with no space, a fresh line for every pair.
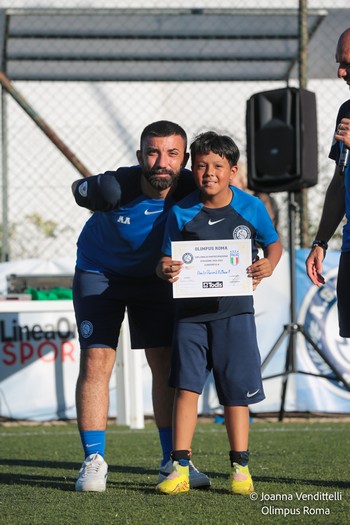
169,270
260,269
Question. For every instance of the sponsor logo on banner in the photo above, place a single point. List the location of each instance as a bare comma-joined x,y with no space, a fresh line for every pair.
318,314
23,343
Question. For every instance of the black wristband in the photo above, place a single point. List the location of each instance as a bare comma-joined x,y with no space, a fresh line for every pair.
322,244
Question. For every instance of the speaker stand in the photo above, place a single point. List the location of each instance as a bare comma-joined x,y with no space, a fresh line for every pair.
292,329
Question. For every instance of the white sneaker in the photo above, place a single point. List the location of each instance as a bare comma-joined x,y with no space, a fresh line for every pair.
92,475
198,480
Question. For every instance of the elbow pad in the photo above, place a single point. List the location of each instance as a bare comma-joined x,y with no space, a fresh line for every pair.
98,192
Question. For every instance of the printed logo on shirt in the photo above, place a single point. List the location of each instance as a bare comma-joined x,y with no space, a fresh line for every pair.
86,329
148,212
211,223
82,189
241,232
123,220
252,394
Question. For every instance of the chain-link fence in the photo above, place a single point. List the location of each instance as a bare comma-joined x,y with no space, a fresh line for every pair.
95,78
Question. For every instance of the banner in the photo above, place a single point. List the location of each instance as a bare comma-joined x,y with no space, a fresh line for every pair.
317,312
39,352
39,360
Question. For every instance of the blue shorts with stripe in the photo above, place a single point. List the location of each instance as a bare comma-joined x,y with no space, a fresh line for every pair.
229,348
101,301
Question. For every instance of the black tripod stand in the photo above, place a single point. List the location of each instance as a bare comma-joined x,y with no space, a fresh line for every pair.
293,328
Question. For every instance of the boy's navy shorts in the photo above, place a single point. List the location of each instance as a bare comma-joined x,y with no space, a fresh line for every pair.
343,294
100,302
226,346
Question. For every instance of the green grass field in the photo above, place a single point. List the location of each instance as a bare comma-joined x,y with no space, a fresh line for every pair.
300,471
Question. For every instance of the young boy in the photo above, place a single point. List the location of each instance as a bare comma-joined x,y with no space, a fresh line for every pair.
216,333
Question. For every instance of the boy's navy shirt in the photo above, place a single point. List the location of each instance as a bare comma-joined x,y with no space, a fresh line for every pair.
245,217
124,235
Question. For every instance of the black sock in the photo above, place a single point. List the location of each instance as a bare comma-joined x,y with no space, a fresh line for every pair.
182,456
242,457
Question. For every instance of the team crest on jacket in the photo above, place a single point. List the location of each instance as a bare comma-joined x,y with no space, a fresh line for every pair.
242,232
318,314
83,189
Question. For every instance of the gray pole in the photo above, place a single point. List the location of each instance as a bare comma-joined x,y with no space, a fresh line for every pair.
5,249
40,122
303,56
5,234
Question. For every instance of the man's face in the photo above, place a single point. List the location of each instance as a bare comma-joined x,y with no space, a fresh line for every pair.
161,159
342,57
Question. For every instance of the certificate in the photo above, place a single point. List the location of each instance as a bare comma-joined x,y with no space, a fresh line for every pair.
213,268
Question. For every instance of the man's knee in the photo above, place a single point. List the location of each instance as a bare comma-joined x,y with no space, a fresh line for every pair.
97,362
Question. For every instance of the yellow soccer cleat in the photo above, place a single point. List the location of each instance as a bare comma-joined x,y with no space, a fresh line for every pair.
241,480
178,482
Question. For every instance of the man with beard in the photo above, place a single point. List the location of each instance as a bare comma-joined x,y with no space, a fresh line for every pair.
118,250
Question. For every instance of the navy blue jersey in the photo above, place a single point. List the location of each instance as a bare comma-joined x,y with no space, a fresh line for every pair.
244,218
344,112
123,237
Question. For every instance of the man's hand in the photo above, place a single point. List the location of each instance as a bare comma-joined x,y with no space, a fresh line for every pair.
169,270
342,133
314,265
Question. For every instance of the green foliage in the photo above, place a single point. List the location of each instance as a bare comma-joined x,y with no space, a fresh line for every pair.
47,228
39,465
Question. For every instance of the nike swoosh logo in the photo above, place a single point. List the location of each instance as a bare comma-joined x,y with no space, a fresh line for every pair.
251,394
147,212
92,445
210,222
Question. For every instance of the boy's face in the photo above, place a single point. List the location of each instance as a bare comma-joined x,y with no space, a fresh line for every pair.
213,175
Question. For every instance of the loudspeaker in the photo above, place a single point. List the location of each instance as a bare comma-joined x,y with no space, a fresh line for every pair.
282,140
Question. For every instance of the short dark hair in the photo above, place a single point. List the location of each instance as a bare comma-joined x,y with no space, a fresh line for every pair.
163,128
220,144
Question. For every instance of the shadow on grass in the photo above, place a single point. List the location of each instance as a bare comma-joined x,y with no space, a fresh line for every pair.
67,483
62,482
66,465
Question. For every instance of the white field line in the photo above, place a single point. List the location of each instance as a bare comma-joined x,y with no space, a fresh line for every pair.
7,434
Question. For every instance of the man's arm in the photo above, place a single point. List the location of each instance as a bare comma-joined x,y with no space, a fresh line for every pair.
333,207
332,214
98,192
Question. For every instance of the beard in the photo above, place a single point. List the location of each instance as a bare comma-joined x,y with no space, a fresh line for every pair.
160,182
